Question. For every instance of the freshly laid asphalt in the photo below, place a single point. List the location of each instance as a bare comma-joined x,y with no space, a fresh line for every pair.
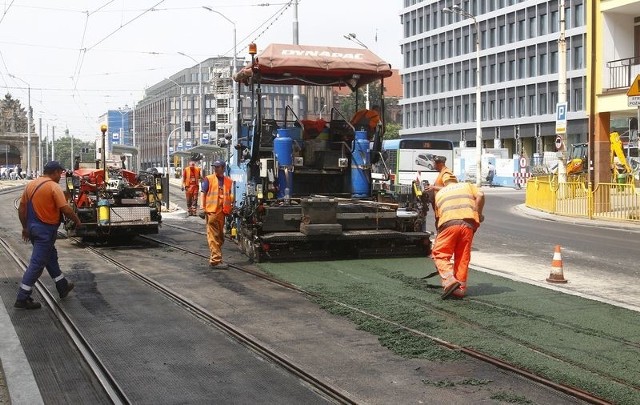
22,387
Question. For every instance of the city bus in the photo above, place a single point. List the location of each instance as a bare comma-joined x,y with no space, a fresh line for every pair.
406,160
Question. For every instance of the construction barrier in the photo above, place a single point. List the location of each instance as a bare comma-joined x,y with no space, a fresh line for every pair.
608,201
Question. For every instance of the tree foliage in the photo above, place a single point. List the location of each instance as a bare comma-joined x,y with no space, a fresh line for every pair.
62,149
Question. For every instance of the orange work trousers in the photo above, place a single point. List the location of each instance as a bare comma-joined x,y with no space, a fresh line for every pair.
215,236
191,194
453,241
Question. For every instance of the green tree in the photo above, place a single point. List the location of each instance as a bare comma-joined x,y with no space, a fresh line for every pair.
392,130
63,150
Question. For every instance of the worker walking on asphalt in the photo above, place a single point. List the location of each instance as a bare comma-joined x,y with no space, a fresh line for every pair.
217,203
191,177
40,211
459,211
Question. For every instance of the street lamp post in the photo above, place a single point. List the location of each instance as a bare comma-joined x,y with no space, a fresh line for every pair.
168,157
455,9
234,135
200,100
28,123
181,116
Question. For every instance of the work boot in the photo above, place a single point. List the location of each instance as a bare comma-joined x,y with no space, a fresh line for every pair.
29,303
64,287
450,289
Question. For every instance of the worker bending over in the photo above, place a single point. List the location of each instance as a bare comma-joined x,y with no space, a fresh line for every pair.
366,120
459,211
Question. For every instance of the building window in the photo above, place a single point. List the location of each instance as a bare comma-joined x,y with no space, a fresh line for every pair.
492,73
492,110
466,44
501,35
532,27
532,66
427,53
521,107
579,15
577,99
542,24
532,105
578,57
553,68
521,68
501,72
512,32
512,70
542,69
492,37
555,22
542,99
450,46
501,108
521,31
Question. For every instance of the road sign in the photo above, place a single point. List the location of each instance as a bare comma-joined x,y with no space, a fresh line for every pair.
634,89
633,101
558,142
561,118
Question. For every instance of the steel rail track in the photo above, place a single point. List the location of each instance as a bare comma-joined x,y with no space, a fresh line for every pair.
245,339
108,383
575,392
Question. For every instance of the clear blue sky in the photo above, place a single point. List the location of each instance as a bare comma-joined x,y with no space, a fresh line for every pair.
83,57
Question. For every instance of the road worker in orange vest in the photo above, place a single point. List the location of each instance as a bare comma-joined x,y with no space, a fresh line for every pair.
366,120
459,211
217,202
191,177
439,163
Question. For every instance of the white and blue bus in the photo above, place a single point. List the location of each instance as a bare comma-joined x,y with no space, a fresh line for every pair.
406,160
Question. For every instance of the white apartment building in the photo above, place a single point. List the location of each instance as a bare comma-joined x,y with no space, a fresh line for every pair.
518,70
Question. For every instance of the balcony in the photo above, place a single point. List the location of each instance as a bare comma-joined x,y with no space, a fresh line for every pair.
621,73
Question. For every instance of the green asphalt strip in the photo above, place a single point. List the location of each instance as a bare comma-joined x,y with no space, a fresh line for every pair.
570,340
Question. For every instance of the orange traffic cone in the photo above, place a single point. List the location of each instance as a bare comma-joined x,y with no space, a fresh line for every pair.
556,275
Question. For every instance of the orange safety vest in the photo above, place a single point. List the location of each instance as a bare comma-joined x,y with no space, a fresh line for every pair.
216,199
439,182
192,176
456,202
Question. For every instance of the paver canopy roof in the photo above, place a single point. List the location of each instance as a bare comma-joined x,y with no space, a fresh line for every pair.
315,65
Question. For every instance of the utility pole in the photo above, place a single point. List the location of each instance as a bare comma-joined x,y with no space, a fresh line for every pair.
562,94
296,89
53,141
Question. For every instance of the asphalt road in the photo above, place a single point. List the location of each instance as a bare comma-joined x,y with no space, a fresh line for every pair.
511,238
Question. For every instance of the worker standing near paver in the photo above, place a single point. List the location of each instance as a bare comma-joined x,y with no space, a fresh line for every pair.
217,202
191,177
459,211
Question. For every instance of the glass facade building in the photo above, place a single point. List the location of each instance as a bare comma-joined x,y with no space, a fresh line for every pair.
518,71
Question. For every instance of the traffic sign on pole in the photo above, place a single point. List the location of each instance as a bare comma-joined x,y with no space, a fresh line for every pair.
561,118
558,142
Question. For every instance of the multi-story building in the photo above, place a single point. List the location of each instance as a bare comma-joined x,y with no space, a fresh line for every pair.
162,114
118,127
614,26
518,71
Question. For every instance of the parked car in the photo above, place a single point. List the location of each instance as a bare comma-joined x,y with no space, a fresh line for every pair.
426,160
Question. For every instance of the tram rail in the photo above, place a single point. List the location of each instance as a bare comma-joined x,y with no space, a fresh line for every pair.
487,358
108,383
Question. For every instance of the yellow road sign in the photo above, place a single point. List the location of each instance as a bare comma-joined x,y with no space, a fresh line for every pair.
634,89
